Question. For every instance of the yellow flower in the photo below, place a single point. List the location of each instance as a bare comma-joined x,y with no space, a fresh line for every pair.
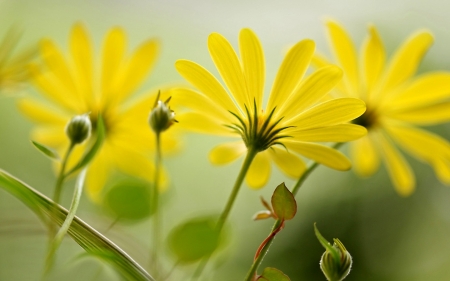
396,103
77,85
14,68
293,120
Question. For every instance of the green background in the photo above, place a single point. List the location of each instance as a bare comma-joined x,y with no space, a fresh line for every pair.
390,238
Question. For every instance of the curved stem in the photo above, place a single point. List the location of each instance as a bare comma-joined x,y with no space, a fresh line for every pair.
251,153
251,273
61,175
155,205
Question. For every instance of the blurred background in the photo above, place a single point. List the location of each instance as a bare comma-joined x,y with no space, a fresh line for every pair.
390,238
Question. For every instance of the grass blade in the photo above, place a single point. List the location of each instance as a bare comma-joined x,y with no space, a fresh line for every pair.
87,237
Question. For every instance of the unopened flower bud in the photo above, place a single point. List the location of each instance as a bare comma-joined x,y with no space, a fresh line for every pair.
161,117
79,128
336,262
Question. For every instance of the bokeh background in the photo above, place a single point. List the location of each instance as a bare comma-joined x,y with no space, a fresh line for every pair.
390,238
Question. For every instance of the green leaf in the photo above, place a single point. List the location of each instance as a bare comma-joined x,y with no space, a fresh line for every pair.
86,236
94,149
129,200
65,226
50,153
283,203
194,239
273,274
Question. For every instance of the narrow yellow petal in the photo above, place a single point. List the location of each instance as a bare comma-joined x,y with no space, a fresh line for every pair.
201,123
336,133
289,163
364,155
206,83
329,113
259,172
291,71
310,91
53,136
321,154
41,113
406,60
229,67
227,152
399,170
113,51
442,169
345,53
374,59
81,51
253,63
319,61
99,170
428,115
424,90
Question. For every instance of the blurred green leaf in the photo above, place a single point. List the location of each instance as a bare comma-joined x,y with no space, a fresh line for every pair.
86,236
273,274
194,239
283,203
129,200
50,153
95,147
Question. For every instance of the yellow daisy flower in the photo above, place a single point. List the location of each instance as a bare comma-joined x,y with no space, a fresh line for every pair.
396,103
292,121
77,85
14,68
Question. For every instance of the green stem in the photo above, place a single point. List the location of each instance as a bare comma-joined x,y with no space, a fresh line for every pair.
61,175
257,262
155,205
251,153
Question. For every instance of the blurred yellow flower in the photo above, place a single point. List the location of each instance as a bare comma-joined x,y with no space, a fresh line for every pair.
75,85
14,67
293,121
396,103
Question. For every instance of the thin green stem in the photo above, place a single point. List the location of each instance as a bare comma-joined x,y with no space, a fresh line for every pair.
61,175
155,205
251,153
257,262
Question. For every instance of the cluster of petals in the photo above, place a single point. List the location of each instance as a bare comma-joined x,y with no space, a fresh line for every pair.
397,104
77,84
307,123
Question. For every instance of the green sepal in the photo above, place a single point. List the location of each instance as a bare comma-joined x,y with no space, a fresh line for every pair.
326,244
273,274
283,203
47,151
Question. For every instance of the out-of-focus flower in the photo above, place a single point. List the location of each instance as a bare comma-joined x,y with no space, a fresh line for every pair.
397,102
293,119
76,85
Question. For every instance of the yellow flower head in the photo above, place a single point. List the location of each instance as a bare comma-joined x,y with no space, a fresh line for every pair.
396,103
77,85
292,121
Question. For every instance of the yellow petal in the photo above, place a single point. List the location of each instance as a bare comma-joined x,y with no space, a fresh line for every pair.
113,51
138,67
51,136
399,170
206,83
227,152
310,91
320,61
259,172
81,51
98,173
336,133
41,113
442,169
406,60
345,53
321,154
289,163
229,67
425,90
291,71
365,156
200,123
329,113
429,115
374,58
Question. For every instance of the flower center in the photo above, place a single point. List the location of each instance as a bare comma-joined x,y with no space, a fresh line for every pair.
367,120
258,131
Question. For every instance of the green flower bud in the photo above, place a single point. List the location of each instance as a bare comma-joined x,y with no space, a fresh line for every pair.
79,128
336,262
161,117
